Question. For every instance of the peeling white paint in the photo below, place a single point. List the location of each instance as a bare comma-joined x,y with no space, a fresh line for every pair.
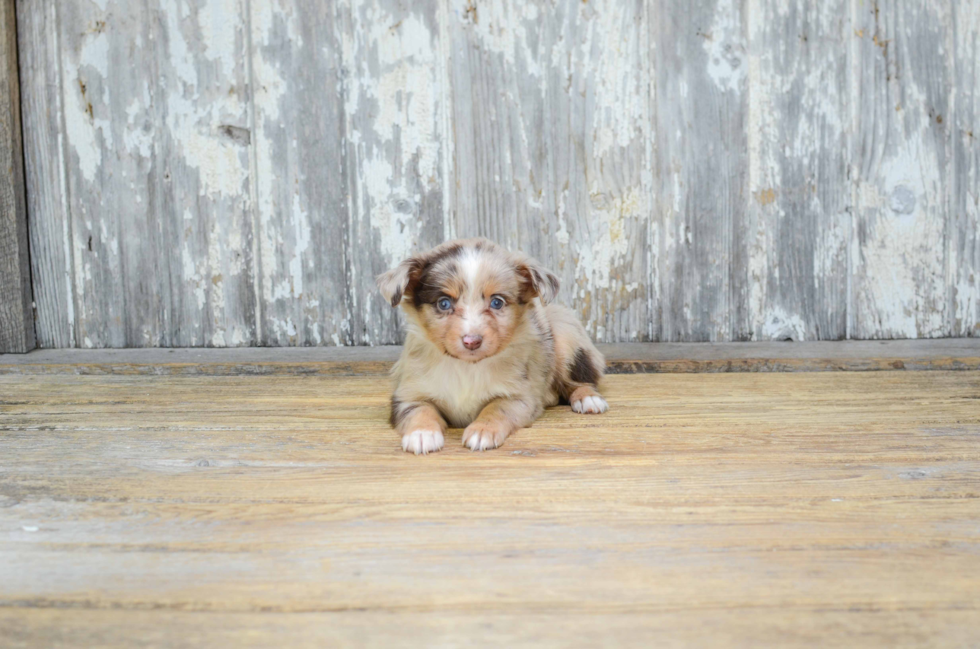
904,291
83,128
606,249
219,24
402,93
788,158
619,115
779,325
194,122
301,242
269,91
194,277
136,137
725,47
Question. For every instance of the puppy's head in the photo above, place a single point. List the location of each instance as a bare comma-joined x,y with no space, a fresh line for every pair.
468,296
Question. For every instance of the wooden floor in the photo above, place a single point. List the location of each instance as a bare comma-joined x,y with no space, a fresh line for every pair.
703,509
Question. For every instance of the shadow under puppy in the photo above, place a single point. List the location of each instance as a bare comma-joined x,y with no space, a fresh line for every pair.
484,348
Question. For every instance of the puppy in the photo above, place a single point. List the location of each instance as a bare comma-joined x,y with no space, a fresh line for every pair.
484,348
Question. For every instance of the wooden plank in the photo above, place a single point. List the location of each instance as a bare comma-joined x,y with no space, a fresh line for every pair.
16,311
395,103
47,192
552,116
799,211
623,358
761,503
964,228
155,125
301,207
901,85
702,159
741,627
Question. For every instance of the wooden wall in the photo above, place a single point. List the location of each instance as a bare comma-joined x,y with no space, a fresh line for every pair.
236,172
16,314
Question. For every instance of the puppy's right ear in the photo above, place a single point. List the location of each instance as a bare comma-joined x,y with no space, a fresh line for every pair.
398,281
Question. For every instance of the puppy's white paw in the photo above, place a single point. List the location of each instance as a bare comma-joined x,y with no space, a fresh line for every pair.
479,436
592,405
422,442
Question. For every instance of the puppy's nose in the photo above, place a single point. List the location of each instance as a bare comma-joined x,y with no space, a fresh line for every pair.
472,342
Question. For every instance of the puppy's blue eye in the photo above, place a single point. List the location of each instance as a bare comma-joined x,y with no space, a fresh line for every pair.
445,304
496,303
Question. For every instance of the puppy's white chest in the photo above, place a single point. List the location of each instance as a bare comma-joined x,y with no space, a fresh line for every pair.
462,390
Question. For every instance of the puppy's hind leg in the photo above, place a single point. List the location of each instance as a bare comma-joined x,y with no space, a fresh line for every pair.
579,365
582,382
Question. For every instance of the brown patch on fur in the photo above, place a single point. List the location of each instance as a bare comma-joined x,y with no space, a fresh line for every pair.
583,370
505,287
439,276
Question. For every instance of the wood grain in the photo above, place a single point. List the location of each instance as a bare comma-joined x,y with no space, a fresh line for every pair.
702,180
735,628
901,87
301,207
553,124
798,219
964,226
732,628
395,108
156,229
16,312
711,509
47,196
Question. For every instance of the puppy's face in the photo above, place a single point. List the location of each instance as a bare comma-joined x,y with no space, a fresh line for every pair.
469,297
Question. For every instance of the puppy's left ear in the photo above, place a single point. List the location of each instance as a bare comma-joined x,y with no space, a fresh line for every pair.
537,280
396,282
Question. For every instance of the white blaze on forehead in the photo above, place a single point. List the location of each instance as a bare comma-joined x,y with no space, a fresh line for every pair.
469,265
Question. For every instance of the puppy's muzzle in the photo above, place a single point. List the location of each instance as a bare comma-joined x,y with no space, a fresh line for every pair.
472,343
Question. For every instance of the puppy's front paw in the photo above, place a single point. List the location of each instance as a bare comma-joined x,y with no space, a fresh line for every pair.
590,405
422,442
481,436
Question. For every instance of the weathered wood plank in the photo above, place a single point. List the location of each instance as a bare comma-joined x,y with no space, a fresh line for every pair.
964,226
16,311
738,627
299,147
395,103
622,358
762,503
155,117
554,148
901,85
798,217
47,192
702,163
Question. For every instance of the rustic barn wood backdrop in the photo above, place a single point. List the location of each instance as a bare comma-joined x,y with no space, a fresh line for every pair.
236,172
